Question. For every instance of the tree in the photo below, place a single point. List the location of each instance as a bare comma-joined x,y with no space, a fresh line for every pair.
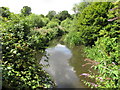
26,10
63,15
78,8
51,14
4,11
92,19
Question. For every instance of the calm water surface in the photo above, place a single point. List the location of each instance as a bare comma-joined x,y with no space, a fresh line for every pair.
65,64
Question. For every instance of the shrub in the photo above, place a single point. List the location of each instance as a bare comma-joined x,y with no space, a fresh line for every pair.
66,24
106,56
52,24
20,68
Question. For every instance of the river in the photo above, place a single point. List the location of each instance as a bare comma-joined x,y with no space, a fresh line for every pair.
65,64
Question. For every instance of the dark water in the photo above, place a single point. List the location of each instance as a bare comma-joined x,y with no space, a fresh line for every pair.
65,64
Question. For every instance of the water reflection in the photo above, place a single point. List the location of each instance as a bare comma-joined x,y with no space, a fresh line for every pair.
62,73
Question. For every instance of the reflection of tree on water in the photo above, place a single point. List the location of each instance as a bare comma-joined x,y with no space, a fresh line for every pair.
44,60
59,68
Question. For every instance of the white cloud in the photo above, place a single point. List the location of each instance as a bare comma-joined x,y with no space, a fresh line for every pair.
39,6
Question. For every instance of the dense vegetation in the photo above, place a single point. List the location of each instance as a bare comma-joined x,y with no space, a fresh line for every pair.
94,24
23,35
98,27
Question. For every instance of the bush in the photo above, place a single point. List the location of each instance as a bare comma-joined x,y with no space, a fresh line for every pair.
90,21
73,38
19,45
66,24
105,54
35,20
52,24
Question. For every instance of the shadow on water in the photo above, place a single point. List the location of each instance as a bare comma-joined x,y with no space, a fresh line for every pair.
64,64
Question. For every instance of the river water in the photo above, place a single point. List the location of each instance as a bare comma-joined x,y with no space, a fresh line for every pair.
65,64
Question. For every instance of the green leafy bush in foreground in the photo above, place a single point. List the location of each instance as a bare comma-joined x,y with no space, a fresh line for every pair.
22,38
105,56
19,45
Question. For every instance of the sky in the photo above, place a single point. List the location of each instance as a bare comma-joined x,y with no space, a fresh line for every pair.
40,6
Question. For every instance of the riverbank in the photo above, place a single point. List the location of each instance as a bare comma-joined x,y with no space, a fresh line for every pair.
64,64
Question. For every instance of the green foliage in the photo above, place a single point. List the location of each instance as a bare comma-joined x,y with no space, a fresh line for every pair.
24,34
26,10
93,28
73,38
51,14
92,19
103,37
105,53
20,68
20,43
19,46
45,20
4,11
78,8
111,30
62,15
66,24
55,29
56,20
36,20
52,24
114,13
94,14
